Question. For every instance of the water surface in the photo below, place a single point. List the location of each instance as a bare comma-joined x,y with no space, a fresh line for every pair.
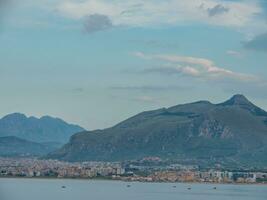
51,189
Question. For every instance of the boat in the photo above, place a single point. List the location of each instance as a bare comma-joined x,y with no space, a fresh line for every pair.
63,186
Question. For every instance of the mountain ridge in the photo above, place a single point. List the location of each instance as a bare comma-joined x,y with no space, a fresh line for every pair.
230,132
43,129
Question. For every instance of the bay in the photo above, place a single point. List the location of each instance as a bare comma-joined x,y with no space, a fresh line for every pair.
70,189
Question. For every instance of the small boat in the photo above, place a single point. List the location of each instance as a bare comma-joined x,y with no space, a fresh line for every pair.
215,188
128,185
63,186
189,188
174,186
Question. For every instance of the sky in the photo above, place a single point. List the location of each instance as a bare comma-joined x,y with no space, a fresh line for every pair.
98,62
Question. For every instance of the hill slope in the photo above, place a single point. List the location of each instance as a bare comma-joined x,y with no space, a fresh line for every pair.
231,132
45,129
13,146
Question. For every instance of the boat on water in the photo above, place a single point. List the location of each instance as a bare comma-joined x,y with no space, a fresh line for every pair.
63,186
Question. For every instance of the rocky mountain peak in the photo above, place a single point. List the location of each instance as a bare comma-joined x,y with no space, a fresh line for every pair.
237,99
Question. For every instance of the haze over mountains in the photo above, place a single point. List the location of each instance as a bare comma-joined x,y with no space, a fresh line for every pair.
230,133
31,136
44,129
11,146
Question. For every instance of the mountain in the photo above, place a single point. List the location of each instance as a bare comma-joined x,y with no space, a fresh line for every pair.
16,147
45,129
230,133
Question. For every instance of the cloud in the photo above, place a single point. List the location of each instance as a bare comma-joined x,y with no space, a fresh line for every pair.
201,68
185,59
259,43
141,13
217,10
132,9
96,22
234,53
174,70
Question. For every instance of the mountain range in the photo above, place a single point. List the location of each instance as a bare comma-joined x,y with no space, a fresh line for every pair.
11,146
44,129
22,136
230,133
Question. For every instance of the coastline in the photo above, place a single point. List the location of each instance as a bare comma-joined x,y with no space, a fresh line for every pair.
126,181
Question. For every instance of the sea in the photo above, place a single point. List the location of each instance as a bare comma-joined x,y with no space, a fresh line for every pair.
73,189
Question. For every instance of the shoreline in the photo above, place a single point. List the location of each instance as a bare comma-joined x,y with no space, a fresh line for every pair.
126,181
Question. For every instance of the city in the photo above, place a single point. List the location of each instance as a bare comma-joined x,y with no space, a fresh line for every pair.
35,168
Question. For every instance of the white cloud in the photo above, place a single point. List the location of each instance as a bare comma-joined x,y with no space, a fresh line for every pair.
185,59
234,53
169,12
169,70
195,67
245,16
190,71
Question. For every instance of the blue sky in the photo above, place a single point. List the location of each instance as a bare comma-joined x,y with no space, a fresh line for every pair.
97,62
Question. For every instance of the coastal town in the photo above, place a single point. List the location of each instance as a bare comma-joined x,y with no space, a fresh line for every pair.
36,168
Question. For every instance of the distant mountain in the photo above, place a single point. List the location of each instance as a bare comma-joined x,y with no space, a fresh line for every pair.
229,133
11,146
45,129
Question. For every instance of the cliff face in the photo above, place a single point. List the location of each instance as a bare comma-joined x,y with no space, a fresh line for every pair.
231,132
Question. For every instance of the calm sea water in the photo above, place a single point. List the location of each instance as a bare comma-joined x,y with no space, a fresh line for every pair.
43,189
